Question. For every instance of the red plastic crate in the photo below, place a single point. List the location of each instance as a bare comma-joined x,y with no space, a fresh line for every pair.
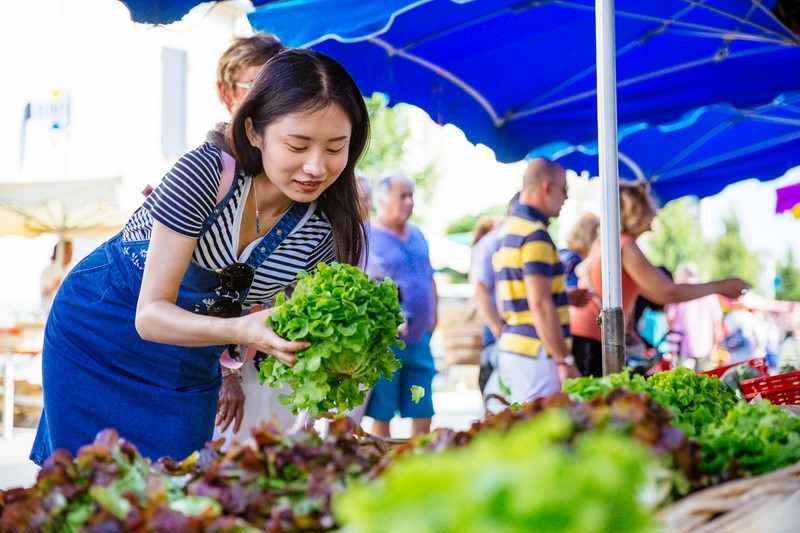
783,389
758,363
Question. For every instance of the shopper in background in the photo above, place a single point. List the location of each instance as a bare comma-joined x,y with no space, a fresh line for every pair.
482,277
240,63
53,275
639,276
241,397
579,244
398,250
534,350
364,194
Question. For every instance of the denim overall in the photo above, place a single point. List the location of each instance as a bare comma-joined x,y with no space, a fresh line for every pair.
99,373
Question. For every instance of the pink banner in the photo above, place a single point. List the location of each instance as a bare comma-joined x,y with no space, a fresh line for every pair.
788,197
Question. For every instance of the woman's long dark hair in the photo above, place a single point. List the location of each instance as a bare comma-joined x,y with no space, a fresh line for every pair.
300,80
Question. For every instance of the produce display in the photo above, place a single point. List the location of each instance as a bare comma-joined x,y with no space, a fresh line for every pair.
538,476
733,376
351,323
736,438
279,484
751,439
631,415
696,400
616,454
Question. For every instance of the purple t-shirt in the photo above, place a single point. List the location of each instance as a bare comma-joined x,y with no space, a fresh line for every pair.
408,264
482,270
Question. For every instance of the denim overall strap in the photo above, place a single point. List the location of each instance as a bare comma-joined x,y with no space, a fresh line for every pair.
276,234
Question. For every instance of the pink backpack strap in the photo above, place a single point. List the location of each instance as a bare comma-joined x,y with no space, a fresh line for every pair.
226,179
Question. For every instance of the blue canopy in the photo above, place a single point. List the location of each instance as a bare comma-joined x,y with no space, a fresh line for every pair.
164,11
515,75
708,149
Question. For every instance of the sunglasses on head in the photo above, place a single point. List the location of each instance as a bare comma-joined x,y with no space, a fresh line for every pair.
233,278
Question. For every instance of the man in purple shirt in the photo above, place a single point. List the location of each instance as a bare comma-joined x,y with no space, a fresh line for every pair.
398,250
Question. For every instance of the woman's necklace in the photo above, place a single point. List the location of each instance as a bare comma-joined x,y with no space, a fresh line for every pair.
255,193
258,216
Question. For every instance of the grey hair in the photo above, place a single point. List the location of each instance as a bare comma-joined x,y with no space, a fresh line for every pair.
384,185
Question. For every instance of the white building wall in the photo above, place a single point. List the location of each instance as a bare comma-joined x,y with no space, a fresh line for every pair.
111,68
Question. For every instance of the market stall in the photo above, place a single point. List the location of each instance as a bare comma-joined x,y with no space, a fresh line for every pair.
676,452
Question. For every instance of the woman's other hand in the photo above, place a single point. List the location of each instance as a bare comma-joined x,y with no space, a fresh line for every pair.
578,297
230,407
733,287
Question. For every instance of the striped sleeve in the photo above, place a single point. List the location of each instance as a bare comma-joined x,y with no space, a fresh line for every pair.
186,195
538,255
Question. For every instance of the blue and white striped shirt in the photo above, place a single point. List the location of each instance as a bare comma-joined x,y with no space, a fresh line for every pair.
186,198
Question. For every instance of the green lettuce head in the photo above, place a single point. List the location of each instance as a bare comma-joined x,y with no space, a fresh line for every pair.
351,323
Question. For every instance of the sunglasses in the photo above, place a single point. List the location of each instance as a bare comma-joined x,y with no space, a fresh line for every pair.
234,278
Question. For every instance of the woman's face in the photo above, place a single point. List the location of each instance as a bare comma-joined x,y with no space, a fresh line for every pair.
304,153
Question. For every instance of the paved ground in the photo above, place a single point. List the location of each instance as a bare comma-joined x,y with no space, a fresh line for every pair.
454,409
15,468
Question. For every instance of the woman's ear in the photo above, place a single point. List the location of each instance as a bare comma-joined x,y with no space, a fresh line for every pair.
252,136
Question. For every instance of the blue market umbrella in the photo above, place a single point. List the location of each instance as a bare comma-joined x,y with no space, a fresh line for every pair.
164,11
708,149
515,75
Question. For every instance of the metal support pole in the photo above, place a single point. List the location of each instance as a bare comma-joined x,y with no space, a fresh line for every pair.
612,322
612,317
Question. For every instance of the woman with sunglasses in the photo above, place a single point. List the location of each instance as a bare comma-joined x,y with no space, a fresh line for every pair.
137,329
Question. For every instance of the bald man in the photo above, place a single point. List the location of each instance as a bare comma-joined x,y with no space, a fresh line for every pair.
534,351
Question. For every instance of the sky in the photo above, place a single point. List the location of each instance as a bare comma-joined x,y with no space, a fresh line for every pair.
754,204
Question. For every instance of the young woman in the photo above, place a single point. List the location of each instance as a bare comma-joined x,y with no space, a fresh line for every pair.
639,276
137,329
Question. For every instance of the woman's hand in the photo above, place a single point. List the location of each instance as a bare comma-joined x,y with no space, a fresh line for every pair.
733,287
230,408
578,297
261,336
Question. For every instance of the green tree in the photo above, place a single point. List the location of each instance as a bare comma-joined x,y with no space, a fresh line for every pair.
467,222
731,256
789,276
676,236
388,144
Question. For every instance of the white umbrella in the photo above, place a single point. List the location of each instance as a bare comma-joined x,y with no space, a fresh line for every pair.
80,208
68,209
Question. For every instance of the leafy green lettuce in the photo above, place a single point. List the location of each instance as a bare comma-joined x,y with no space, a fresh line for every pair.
535,477
417,393
351,323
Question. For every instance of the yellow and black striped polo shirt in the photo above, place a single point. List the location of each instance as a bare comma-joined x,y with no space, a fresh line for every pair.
526,249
